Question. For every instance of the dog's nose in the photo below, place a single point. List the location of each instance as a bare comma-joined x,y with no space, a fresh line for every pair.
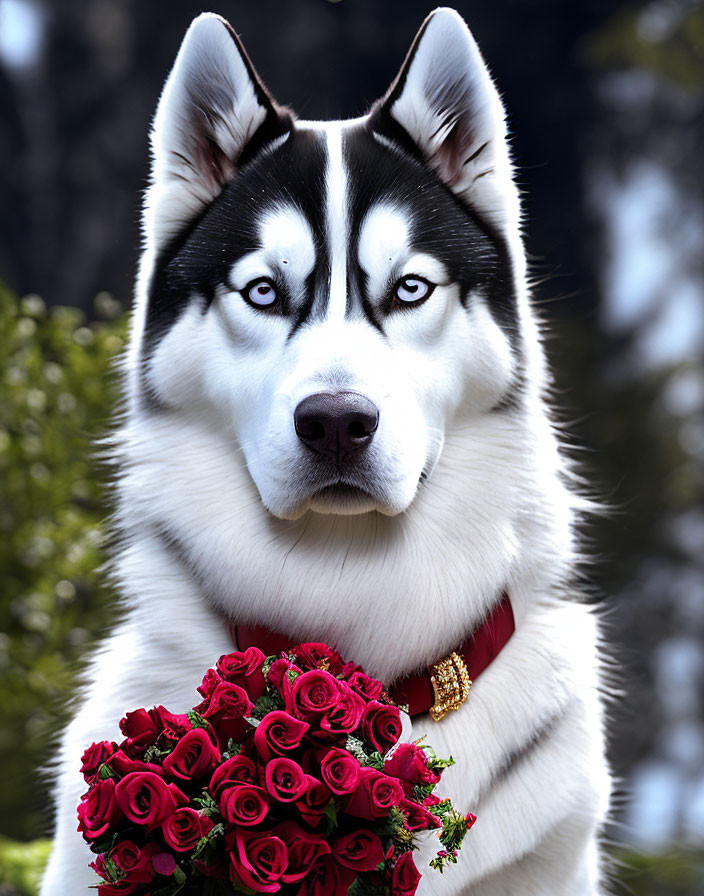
336,423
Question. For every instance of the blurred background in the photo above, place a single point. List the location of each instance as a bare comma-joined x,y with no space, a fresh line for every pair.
606,108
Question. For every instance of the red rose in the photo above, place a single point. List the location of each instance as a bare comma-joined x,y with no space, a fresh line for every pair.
314,655
405,877
193,757
237,770
94,757
313,803
340,771
327,878
140,729
418,818
185,828
278,733
361,850
147,799
122,765
245,669
227,701
365,686
226,708
278,676
285,780
134,861
313,694
345,716
375,796
98,809
173,725
349,669
244,804
258,860
277,671
303,849
409,763
211,680
381,725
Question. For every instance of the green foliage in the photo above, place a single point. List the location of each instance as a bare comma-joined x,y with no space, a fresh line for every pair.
58,389
454,828
21,866
627,41
679,872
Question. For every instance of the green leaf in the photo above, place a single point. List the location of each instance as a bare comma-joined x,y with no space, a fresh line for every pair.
205,801
114,872
361,886
197,720
331,812
268,663
375,760
233,749
267,703
154,753
435,763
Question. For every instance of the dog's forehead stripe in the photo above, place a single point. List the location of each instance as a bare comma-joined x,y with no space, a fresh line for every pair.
337,227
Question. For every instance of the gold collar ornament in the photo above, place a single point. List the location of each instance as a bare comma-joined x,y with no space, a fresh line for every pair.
451,685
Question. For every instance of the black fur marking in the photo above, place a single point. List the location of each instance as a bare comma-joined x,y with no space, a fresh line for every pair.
380,118
511,399
442,225
278,119
200,258
305,310
512,761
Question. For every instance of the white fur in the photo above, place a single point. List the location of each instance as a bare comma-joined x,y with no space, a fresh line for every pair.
336,183
394,585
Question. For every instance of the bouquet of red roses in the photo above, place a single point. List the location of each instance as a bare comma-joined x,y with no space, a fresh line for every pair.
288,776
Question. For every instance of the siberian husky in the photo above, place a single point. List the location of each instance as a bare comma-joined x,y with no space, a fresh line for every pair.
336,426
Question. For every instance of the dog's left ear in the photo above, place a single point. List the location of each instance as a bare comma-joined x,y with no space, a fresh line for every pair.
444,103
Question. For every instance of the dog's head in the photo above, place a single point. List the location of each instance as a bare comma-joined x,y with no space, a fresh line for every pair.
333,298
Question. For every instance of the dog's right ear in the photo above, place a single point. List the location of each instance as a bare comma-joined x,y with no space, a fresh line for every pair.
213,114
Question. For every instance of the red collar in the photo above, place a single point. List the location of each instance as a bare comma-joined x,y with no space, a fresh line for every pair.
477,651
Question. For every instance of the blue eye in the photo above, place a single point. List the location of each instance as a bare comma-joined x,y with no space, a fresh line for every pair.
261,293
413,290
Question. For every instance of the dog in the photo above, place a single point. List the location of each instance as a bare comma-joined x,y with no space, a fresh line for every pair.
336,426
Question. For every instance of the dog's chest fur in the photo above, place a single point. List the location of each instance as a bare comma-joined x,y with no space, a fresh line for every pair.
372,270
